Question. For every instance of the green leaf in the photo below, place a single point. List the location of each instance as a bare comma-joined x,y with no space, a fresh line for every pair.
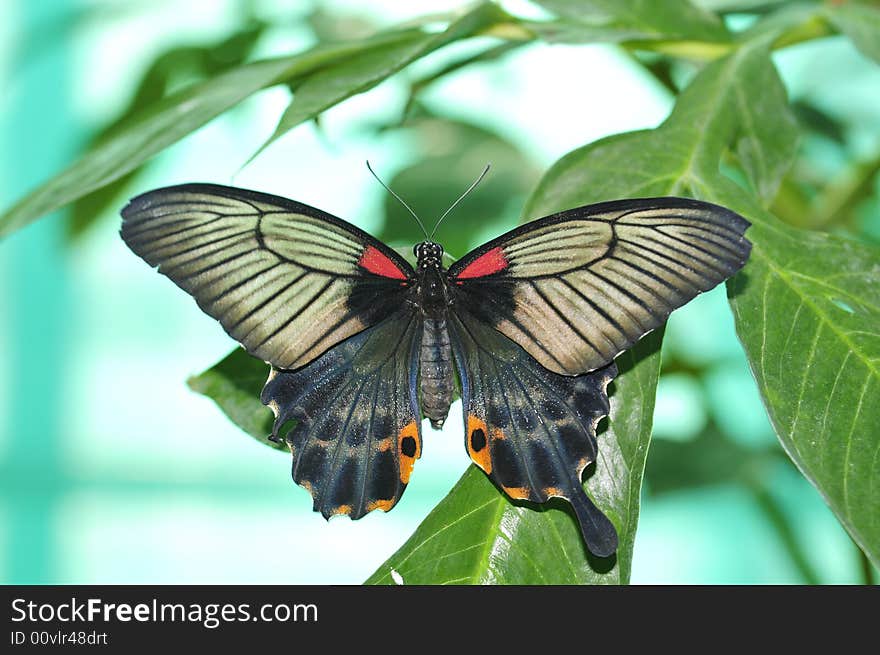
808,315
806,304
180,62
735,104
477,536
235,383
170,120
354,75
490,54
860,23
331,86
631,20
88,209
817,120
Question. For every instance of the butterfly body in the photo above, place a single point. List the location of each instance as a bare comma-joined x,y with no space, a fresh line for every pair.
362,345
435,370
431,296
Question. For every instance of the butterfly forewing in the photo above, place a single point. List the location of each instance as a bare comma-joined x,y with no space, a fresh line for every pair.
577,288
284,279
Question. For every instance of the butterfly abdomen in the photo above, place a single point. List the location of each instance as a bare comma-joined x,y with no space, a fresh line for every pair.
435,363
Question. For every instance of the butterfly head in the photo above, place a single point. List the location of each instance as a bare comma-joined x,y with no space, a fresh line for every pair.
428,254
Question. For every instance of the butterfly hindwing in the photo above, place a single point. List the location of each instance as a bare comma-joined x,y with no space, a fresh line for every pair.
285,280
356,434
579,287
531,430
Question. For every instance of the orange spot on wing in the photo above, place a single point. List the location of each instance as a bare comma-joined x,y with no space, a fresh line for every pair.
385,444
342,509
554,491
384,505
409,431
478,432
518,493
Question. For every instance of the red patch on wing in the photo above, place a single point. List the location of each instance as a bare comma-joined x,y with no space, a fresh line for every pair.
376,262
489,262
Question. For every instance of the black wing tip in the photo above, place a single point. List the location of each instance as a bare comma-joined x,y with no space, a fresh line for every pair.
734,219
143,201
740,222
134,207
597,529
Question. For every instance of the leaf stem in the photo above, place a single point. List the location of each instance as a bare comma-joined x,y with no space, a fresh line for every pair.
780,523
869,574
814,27
693,50
837,201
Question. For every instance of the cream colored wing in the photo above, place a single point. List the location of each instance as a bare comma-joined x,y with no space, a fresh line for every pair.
577,288
285,280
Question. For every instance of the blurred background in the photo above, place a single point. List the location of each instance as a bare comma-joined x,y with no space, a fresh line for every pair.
113,471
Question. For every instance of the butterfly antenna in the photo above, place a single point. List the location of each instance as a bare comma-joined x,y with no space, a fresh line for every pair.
399,199
460,198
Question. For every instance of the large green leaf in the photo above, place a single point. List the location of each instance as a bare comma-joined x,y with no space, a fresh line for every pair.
173,118
808,314
477,536
807,305
355,75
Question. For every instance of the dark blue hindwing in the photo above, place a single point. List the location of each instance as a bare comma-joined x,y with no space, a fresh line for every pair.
531,430
356,432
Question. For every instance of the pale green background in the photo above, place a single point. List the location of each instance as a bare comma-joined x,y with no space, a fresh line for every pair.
112,471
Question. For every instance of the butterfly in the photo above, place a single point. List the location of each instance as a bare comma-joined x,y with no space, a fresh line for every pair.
362,345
